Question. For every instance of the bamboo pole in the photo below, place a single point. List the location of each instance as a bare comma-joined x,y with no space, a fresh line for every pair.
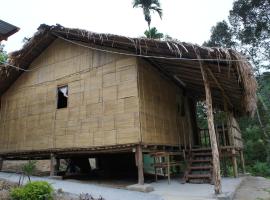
212,134
139,161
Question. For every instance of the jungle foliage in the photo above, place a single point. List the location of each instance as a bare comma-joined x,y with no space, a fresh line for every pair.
248,31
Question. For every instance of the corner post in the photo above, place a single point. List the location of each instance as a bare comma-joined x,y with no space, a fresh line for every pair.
1,163
243,161
234,162
57,165
211,127
139,162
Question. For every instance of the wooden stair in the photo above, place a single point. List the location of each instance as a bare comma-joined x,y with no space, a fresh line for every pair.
199,169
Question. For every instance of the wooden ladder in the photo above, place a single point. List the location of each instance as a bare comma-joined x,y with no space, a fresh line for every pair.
199,168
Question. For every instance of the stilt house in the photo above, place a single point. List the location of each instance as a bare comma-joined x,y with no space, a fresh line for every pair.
71,92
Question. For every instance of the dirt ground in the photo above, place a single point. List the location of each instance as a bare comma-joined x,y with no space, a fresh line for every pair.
254,188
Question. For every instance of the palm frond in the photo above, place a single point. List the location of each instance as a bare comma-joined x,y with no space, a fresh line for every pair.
158,10
136,3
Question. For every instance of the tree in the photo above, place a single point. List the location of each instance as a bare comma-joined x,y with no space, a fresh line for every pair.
221,36
153,33
148,6
250,22
3,54
248,31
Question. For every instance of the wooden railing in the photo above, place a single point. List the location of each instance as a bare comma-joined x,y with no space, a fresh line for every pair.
223,138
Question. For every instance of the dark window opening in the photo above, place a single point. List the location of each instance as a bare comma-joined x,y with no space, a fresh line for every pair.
62,97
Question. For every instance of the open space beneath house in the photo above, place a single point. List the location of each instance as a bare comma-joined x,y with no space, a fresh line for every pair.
162,190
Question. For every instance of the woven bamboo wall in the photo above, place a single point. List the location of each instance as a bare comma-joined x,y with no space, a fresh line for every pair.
103,104
236,133
161,104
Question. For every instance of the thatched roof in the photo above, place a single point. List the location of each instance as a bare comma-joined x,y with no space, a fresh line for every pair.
231,75
7,30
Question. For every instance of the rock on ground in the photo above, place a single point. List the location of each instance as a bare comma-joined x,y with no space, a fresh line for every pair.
254,188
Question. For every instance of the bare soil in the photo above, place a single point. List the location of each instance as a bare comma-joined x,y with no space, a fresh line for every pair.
254,188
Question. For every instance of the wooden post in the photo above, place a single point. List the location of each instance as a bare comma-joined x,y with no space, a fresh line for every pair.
168,168
243,161
57,166
1,163
234,161
139,161
52,165
212,134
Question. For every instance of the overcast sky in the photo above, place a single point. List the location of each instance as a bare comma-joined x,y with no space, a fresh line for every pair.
186,20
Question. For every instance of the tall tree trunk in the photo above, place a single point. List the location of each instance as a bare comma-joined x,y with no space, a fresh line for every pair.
213,137
149,30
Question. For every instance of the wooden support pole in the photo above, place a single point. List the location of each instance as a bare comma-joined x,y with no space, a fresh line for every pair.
57,165
234,162
1,163
212,134
139,161
52,165
243,161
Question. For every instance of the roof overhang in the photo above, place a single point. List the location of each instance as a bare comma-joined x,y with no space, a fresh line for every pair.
7,30
231,76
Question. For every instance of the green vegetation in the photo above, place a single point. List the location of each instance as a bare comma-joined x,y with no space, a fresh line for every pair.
27,170
3,54
248,31
38,190
149,6
153,33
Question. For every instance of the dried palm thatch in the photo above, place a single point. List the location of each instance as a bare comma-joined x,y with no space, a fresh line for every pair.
232,75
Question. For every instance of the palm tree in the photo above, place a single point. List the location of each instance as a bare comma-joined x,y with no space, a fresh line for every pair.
153,33
148,6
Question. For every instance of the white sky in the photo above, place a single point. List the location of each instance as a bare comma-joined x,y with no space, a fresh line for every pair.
186,20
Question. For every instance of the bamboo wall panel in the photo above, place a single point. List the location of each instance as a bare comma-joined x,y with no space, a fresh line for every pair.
160,109
103,103
236,133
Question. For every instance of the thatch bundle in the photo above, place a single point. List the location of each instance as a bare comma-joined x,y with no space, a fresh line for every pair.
173,58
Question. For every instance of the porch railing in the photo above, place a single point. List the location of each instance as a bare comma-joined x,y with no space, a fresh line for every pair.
222,133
